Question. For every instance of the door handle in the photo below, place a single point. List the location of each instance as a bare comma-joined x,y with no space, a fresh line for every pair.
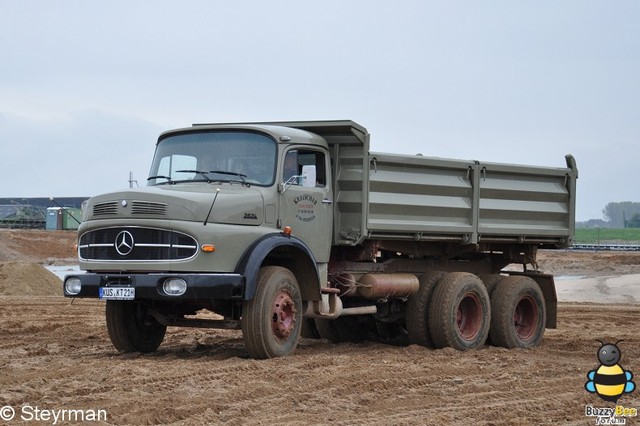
327,201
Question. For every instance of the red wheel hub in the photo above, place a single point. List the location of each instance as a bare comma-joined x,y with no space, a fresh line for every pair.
283,314
525,318
469,316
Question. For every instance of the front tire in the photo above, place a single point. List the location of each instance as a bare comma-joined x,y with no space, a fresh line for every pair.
272,320
460,312
131,328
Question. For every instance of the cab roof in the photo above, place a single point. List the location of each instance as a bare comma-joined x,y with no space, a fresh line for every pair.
340,132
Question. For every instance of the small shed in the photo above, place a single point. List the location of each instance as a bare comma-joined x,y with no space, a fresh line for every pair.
54,218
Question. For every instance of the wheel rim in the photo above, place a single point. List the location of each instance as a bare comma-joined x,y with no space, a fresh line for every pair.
469,316
283,315
525,318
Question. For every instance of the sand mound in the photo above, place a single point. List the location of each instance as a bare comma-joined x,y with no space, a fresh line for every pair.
561,262
36,245
28,279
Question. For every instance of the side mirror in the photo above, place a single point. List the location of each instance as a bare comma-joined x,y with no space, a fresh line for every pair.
307,179
309,176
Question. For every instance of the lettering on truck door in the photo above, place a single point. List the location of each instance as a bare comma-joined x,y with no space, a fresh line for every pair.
306,204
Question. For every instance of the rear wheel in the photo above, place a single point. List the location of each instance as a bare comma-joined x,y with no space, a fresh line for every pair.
418,310
459,313
272,320
518,313
131,328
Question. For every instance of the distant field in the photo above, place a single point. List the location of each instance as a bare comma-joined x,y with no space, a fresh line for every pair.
604,236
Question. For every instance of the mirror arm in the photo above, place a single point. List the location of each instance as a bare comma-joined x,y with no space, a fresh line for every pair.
282,187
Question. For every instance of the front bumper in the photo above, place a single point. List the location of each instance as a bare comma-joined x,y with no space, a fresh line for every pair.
149,286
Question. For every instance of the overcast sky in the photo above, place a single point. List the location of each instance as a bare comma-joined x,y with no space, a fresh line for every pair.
86,87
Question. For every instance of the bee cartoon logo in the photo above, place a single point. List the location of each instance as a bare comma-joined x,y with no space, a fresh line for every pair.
609,381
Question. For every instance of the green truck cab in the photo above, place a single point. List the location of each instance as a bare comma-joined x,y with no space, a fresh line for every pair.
280,227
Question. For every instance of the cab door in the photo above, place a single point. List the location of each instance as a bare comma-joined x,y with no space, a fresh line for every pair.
306,199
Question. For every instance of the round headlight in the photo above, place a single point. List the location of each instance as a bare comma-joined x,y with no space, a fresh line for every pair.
72,286
174,287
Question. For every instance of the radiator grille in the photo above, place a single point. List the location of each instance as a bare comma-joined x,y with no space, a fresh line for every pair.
136,244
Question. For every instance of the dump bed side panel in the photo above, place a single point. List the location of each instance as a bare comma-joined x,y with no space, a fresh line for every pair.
420,195
422,198
525,202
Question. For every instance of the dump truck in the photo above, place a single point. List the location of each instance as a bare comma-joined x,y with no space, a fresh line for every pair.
283,229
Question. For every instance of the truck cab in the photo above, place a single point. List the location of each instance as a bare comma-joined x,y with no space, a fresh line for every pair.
221,202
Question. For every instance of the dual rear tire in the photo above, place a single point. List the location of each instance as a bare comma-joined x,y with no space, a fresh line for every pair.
460,313
518,313
455,310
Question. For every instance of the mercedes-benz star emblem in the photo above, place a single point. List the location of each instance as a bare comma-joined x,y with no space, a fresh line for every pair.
124,243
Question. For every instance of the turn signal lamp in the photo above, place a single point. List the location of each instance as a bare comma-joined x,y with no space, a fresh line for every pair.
287,231
208,248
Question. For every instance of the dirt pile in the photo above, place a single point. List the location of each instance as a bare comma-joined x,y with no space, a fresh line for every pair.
28,279
563,262
22,254
32,245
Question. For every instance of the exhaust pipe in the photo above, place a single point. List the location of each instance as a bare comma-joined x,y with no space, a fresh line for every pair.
370,286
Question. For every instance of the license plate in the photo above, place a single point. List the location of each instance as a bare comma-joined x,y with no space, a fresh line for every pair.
117,293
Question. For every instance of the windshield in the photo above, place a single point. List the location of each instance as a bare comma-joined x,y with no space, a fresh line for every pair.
215,156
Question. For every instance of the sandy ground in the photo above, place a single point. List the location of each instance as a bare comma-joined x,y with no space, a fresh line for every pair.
56,355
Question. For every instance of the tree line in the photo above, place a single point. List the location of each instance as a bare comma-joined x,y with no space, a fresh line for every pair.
625,214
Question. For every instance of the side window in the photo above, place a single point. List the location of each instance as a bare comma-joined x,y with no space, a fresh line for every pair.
295,162
290,167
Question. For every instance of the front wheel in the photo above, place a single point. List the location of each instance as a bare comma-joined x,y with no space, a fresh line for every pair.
131,328
272,320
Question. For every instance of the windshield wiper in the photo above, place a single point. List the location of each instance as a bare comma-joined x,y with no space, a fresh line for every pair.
200,172
240,175
168,178
205,175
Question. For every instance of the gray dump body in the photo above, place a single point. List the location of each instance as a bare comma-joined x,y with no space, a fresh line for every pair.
388,196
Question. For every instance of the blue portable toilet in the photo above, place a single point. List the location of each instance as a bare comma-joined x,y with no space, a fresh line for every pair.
54,218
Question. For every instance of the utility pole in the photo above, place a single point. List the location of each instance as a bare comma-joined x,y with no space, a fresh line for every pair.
131,180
